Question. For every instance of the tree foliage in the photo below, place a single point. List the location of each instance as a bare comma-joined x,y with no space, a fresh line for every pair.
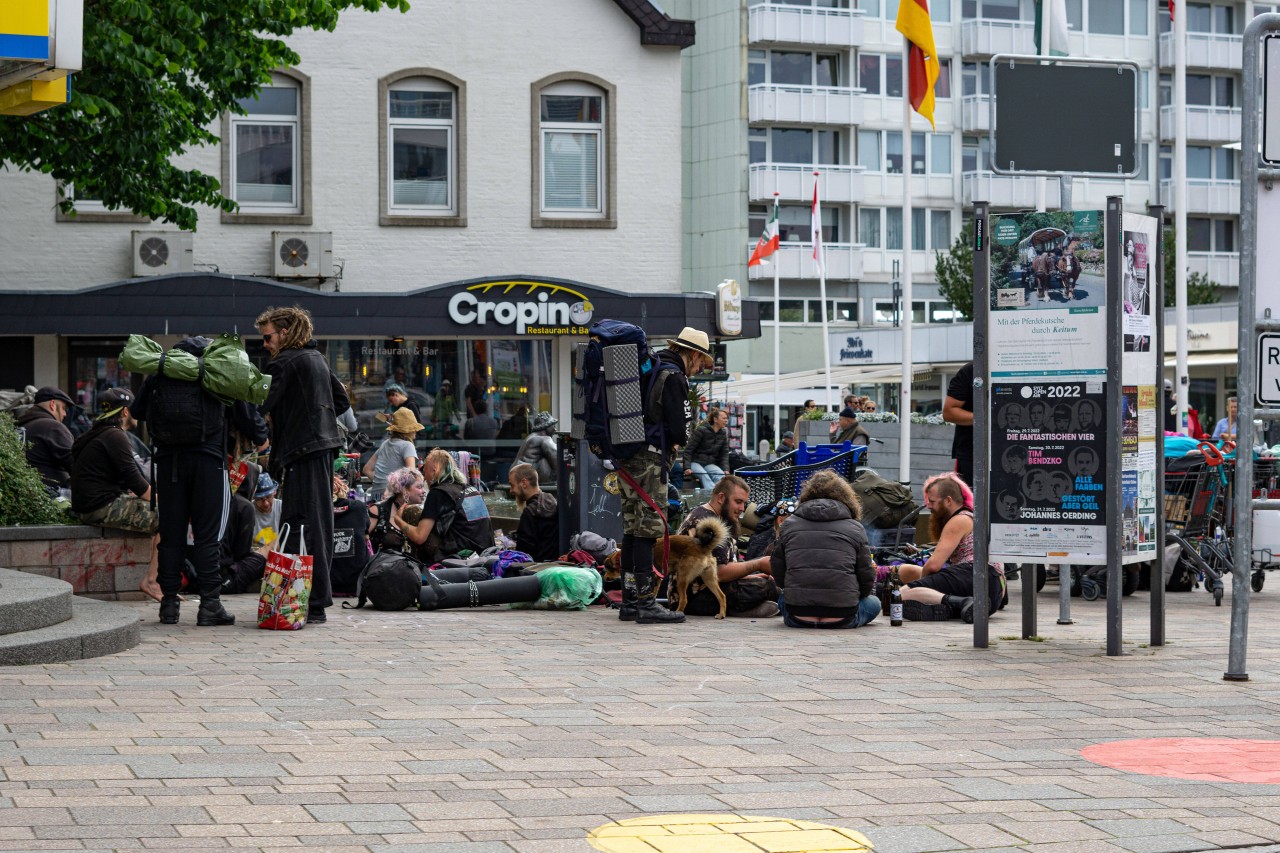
23,498
954,271
1201,290
157,76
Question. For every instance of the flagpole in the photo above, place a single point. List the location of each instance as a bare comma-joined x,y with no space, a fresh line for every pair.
820,251
1180,211
904,404
777,336
1042,202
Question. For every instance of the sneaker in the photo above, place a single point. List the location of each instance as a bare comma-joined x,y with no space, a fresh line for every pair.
763,610
317,616
918,611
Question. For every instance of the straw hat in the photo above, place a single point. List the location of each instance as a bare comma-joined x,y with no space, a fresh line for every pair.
402,420
691,338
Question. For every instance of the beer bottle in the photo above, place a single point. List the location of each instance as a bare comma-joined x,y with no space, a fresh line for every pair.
895,600
884,597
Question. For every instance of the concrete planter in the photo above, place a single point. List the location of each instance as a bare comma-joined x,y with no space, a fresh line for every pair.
813,432
930,451
98,563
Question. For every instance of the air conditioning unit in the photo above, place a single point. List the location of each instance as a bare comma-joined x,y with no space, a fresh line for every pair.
302,254
161,252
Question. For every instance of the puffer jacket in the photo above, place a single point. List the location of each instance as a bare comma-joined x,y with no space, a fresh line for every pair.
822,558
304,403
708,447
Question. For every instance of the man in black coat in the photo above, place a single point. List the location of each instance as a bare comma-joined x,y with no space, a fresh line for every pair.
538,533
303,404
48,439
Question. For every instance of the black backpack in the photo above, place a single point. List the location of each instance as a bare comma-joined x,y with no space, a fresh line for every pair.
180,412
390,581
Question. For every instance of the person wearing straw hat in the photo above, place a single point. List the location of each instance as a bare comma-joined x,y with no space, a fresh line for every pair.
689,353
396,451
539,448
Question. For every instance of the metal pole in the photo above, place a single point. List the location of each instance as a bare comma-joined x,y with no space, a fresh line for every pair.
1064,594
904,394
777,336
1157,569
1180,208
981,425
821,261
1042,203
1113,235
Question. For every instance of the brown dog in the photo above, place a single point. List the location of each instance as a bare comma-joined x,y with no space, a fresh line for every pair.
693,558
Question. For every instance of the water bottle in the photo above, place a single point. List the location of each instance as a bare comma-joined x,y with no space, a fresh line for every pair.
1217,533
360,495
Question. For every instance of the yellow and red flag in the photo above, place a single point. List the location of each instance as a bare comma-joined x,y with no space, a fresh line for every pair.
922,59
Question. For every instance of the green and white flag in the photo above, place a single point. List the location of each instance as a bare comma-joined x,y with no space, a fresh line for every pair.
1057,27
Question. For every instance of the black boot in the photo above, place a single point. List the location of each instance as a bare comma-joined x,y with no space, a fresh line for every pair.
648,610
169,609
961,606
627,564
212,612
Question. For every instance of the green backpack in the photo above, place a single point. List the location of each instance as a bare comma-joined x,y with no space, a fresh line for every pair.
885,503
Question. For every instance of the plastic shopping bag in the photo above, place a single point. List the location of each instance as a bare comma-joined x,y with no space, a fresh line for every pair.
286,587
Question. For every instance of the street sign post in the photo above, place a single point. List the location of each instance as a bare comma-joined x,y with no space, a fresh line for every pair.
1269,369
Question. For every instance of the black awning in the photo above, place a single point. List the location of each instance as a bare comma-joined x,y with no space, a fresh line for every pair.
503,306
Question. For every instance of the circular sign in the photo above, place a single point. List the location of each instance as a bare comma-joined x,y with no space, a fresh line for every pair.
1006,232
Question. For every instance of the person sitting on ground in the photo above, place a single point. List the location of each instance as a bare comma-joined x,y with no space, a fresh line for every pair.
539,448
266,511
350,539
241,562
706,454
405,493
538,533
822,560
748,585
943,587
481,426
849,429
452,520
49,441
396,451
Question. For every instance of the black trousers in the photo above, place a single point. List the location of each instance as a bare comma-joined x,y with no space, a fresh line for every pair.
191,490
307,504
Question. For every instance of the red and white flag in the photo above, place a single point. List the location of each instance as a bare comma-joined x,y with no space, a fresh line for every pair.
816,225
768,243
1171,10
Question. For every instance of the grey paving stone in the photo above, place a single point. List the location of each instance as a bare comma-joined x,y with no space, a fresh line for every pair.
359,812
1161,844
909,839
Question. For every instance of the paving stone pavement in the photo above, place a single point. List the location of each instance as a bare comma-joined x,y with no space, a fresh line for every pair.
499,730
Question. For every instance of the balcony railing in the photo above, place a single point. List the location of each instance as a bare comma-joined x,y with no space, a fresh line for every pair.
1221,267
795,260
835,105
777,23
794,182
986,37
1205,50
1204,124
1205,196
975,113
1006,191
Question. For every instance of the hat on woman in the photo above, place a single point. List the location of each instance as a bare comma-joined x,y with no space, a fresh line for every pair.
691,338
402,420
543,421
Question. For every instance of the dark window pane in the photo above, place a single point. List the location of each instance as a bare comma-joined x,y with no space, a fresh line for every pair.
1004,10
943,88
1224,92
791,69
420,166
1199,162
893,76
406,104
969,79
1224,235
791,310
869,72
1224,19
575,108
829,147
755,71
1106,17
792,145
917,153
1199,18
918,235
1199,89
272,100
1198,232
893,151
828,70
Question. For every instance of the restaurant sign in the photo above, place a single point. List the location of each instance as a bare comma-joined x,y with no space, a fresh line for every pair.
528,307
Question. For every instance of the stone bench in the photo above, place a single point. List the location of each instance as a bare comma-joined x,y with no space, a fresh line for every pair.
97,562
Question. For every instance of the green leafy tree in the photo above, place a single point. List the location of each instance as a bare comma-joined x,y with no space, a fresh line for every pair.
23,498
954,271
1201,290
157,76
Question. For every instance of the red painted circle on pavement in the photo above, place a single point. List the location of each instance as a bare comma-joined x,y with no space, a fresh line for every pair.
1208,759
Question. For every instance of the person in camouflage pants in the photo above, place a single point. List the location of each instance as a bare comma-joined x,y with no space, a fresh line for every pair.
642,525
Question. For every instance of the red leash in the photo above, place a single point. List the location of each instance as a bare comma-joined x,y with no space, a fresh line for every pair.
666,530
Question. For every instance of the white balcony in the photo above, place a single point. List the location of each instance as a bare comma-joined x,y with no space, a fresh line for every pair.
777,23
1221,267
1007,192
1205,50
985,37
975,114
1205,196
834,105
795,260
1092,193
793,182
1204,124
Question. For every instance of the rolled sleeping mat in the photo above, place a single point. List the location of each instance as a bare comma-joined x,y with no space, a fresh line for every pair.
436,595
461,574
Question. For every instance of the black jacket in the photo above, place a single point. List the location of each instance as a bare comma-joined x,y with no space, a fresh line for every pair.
304,403
237,539
538,533
822,561
676,411
48,446
857,434
104,469
708,447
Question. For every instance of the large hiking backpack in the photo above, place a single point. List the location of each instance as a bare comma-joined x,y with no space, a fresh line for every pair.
617,398
390,581
181,413
885,503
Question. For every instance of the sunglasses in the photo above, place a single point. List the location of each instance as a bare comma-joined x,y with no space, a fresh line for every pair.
266,338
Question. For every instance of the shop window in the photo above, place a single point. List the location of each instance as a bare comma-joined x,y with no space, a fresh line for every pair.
573,168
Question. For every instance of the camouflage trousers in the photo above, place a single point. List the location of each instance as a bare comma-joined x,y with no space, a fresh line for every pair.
638,518
126,512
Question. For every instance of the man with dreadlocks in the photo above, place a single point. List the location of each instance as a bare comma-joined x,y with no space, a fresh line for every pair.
303,404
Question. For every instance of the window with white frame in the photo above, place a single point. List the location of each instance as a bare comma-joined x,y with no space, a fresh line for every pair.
794,145
572,125
421,142
975,78
930,229
939,10
266,152
795,222
889,82
885,311
810,310
999,10
930,152
794,68
1217,234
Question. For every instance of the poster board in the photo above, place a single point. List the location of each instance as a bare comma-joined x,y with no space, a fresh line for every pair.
1141,434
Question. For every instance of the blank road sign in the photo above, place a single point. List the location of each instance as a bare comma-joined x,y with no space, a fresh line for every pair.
1079,118
1269,369
1271,100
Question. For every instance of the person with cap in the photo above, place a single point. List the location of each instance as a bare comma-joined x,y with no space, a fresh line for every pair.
688,354
788,442
49,441
107,487
303,404
538,532
395,452
539,448
398,398
266,511
848,428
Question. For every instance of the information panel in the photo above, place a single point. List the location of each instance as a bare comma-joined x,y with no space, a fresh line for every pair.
1141,434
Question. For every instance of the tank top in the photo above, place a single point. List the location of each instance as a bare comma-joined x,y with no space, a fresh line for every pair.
964,549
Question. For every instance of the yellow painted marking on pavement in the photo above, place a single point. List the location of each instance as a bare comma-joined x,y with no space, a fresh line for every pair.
724,833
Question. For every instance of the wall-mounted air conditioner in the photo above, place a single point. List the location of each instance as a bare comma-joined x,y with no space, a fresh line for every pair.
161,252
302,254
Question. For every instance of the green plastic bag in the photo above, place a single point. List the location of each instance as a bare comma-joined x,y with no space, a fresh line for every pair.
566,588
228,373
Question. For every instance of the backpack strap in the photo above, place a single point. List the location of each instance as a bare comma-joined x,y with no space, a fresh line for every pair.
644,496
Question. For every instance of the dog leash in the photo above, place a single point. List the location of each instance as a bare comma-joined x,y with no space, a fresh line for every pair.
666,530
